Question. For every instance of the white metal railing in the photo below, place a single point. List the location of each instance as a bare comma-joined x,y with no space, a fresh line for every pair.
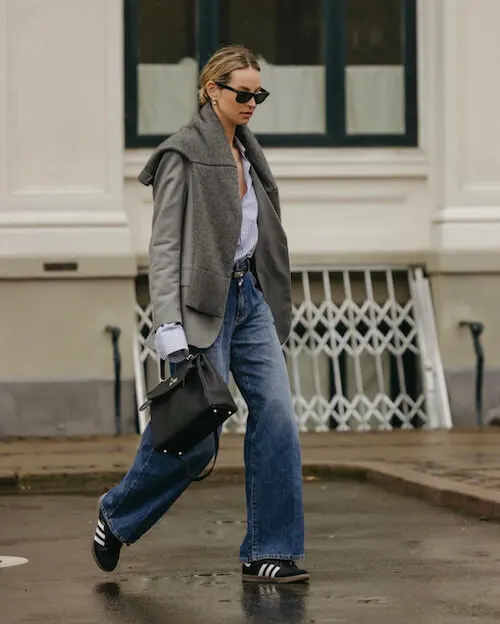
362,355
438,407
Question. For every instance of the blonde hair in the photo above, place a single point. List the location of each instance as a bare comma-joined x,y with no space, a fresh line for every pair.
221,64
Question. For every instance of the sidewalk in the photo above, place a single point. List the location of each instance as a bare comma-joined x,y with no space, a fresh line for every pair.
459,469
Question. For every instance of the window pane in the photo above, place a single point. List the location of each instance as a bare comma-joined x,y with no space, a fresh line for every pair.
287,38
168,69
375,89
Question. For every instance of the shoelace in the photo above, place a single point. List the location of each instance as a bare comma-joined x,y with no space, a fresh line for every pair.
283,562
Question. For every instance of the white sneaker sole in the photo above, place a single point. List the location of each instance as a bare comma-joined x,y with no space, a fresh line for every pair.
298,578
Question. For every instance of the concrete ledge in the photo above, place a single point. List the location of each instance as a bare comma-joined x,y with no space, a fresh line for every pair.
9,485
462,497
458,469
473,500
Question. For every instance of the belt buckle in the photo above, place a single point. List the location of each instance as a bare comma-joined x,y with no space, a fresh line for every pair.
238,274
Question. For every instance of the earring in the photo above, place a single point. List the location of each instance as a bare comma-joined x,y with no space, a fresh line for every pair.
214,103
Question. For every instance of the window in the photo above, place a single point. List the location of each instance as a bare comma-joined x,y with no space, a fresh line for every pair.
295,74
340,72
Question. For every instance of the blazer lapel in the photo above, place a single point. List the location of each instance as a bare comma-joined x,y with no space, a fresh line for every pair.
263,198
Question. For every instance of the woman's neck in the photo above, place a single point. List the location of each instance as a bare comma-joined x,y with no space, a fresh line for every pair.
229,128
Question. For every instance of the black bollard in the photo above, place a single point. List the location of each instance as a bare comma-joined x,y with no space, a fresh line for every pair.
476,329
117,363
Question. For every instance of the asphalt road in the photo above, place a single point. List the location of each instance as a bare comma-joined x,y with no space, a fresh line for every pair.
374,558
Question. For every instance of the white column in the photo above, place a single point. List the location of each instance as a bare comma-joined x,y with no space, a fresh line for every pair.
466,171
61,134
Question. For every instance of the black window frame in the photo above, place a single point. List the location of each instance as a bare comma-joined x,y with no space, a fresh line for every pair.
336,135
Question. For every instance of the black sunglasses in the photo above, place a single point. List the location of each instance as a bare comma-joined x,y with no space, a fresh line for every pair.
243,97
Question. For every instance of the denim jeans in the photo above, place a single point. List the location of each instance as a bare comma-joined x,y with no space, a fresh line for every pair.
247,346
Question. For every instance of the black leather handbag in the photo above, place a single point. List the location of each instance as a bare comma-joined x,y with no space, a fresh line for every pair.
188,407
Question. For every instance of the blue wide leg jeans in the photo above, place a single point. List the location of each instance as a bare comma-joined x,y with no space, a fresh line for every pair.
248,346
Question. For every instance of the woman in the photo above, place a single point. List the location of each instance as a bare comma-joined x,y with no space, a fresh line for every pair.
220,281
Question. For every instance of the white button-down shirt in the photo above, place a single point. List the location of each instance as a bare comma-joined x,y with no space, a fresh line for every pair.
250,212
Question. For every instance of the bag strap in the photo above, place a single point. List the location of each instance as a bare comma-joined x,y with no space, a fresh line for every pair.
202,477
209,472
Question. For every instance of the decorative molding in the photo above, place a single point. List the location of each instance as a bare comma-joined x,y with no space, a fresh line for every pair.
458,45
95,179
473,235
61,135
326,163
425,66
74,218
65,241
344,192
60,191
85,266
3,102
448,116
468,214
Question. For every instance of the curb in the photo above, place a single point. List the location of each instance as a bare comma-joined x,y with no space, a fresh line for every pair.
472,500
96,482
9,484
468,499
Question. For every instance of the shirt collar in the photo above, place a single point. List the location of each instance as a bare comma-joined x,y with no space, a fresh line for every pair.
240,146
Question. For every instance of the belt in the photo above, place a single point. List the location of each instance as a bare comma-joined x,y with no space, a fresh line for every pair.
240,269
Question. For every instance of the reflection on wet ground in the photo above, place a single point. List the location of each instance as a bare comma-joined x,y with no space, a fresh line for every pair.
259,603
374,558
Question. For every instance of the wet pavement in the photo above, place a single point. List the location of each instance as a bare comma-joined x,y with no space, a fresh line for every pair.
374,557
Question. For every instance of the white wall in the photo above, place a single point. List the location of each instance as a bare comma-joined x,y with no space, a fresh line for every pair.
466,126
62,162
61,136
336,203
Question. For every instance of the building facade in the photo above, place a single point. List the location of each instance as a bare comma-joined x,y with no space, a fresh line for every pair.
382,130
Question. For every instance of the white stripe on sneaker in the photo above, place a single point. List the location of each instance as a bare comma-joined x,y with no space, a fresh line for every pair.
262,571
99,541
100,533
269,570
275,572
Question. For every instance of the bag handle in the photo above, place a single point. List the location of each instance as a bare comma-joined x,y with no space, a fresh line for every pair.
162,370
163,377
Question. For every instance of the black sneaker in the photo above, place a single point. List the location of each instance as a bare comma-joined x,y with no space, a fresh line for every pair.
105,546
273,571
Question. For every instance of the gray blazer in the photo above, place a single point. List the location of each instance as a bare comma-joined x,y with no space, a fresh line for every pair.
171,253
196,227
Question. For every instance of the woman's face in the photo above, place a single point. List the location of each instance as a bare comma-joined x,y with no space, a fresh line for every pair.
247,80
